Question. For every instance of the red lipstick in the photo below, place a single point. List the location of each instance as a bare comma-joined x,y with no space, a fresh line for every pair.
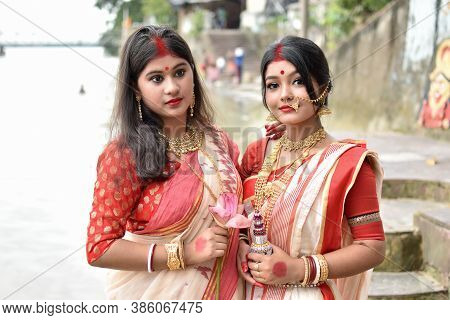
286,108
174,102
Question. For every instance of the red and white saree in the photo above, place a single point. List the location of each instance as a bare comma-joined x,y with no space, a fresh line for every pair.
308,218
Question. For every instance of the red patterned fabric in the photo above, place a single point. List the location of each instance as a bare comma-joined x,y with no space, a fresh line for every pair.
121,203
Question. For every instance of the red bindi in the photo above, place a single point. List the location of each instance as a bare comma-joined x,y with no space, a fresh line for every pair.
282,72
200,244
279,269
166,68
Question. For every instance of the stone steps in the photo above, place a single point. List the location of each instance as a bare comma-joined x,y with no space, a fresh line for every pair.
417,238
403,241
434,226
405,286
417,189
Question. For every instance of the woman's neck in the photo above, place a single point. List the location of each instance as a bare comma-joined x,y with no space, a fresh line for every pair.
299,132
174,127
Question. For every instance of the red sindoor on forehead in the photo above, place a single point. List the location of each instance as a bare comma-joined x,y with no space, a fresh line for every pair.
278,56
161,47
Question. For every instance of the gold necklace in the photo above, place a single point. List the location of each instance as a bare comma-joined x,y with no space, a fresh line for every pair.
190,141
273,190
290,145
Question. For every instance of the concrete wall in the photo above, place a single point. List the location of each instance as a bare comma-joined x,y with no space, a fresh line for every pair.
381,71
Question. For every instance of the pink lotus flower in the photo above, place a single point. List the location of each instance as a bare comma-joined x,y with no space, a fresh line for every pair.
228,212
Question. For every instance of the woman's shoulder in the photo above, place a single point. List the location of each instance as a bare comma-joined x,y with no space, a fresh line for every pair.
257,147
116,153
359,156
253,157
360,144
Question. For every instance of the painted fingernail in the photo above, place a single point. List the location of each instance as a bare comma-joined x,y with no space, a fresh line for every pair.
266,126
260,285
244,266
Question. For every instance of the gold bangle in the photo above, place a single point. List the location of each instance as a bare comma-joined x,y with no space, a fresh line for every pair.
323,267
306,277
244,237
181,254
173,262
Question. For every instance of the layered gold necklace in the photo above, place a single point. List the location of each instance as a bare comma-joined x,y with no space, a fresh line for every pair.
272,190
190,141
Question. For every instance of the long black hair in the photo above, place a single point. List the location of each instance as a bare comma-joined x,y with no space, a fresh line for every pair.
307,58
142,137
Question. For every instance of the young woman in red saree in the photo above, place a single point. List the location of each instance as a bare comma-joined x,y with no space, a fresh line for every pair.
166,169
318,198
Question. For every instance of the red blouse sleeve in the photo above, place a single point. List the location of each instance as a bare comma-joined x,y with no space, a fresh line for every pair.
362,207
115,194
253,158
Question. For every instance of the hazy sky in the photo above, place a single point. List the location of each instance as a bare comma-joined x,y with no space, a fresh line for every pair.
67,20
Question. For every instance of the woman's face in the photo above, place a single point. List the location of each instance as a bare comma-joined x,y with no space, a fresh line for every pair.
166,85
283,83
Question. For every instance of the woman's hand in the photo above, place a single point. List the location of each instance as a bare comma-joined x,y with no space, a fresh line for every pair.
275,129
211,243
242,263
278,268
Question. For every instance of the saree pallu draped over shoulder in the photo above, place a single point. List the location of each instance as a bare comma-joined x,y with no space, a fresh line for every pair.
182,215
309,218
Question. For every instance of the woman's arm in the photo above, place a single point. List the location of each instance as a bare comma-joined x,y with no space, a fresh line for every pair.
360,256
132,256
280,268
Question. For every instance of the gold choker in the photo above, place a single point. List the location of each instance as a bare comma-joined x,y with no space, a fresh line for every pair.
190,141
289,145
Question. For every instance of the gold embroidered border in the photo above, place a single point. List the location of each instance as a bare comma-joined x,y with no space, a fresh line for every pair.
364,219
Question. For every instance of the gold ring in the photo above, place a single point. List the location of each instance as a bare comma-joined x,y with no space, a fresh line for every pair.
257,266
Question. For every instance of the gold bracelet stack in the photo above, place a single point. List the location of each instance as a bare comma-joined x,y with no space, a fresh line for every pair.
175,255
316,272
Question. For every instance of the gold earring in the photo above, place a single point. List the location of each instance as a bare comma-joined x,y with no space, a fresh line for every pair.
323,111
192,104
138,99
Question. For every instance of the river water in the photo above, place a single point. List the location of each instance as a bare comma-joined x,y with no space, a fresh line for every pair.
51,137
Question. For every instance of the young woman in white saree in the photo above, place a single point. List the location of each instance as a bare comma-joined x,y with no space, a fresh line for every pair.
314,197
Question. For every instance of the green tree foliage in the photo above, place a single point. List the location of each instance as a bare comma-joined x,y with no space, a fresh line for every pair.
161,11
138,10
198,22
342,15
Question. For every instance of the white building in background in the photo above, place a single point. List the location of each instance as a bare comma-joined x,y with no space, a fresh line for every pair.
258,12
